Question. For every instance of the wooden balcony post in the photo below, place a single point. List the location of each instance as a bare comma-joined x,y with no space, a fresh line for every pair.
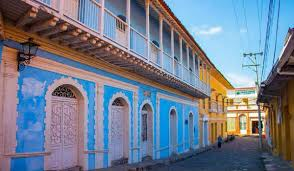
188,61
161,37
173,50
147,9
181,57
194,69
102,17
129,23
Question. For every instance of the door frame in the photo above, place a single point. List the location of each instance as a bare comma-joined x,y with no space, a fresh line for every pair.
176,127
82,99
147,102
128,112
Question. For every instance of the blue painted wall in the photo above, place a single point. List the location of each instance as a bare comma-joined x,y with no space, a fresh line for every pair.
31,108
30,136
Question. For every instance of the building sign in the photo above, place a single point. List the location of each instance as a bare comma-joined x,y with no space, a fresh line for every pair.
245,92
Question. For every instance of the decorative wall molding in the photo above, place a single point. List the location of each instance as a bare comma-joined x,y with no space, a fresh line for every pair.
83,109
9,102
49,65
99,125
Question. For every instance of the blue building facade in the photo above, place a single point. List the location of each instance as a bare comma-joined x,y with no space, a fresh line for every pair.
67,108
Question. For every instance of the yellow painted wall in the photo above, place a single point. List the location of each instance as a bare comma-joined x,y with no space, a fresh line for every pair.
282,133
216,121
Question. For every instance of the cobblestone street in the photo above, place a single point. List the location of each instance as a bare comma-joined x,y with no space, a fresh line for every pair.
240,155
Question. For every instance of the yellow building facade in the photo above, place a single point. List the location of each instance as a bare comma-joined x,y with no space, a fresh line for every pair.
277,95
213,110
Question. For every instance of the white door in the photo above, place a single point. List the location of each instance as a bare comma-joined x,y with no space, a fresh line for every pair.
243,125
117,139
146,135
173,132
191,132
63,133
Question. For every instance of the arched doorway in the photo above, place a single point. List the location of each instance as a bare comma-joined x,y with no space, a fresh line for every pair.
191,132
119,131
243,124
205,133
66,128
173,131
147,131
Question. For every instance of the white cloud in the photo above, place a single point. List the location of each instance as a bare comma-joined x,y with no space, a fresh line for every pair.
206,30
241,80
243,30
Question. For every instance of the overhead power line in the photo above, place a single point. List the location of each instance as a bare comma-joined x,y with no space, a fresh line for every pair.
267,37
277,30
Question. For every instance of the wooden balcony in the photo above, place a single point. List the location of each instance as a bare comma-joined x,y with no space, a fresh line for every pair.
104,36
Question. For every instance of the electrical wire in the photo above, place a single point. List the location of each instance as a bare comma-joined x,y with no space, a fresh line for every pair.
277,30
246,25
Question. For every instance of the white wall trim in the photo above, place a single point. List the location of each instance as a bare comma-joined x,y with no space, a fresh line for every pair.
83,107
99,125
193,103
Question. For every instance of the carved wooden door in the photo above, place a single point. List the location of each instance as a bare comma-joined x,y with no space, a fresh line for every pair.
144,134
63,133
116,132
191,126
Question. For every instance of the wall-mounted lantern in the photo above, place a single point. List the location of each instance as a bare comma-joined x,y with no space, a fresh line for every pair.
27,51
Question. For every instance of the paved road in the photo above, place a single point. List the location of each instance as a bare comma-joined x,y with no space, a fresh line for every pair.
240,155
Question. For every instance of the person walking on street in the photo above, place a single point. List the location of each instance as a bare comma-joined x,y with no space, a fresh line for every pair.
219,141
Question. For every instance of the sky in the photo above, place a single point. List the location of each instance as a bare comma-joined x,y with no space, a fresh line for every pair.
225,29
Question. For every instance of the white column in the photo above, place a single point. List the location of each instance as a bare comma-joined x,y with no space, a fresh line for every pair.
173,50
188,65
161,37
129,22
102,16
147,4
194,69
181,56
188,62
99,127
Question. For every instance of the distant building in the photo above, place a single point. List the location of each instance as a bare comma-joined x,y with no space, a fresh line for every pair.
242,116
277,95
213,110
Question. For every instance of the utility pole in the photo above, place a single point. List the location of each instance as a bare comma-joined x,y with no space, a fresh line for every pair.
254,66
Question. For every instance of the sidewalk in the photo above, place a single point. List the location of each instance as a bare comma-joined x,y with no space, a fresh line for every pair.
153,164
274,163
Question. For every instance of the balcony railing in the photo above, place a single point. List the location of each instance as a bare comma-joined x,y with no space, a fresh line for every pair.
115,28
220,108
138,43
167,62
88,15
213,106
155,54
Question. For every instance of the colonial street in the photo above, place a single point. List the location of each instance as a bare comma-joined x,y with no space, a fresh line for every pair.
240,155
